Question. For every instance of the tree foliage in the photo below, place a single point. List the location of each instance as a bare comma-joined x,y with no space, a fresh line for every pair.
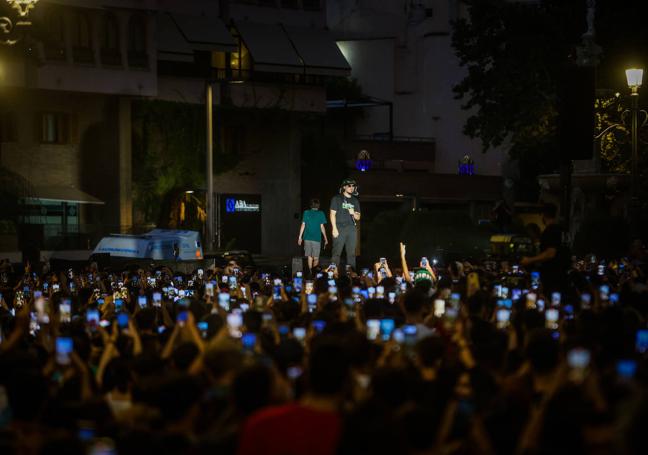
513,53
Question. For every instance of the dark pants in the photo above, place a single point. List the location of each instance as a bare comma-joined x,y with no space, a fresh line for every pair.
346,239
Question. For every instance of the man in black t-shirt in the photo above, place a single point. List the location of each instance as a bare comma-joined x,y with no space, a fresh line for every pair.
553,259
344,213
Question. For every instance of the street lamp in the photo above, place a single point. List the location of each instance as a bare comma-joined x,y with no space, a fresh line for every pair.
634,77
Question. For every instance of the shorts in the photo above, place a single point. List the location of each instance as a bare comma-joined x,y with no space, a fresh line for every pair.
312,248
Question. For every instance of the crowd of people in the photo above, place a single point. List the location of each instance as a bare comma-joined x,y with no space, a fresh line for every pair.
459,358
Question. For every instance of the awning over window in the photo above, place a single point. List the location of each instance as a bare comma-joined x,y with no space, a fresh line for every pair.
61,194
205,33
319,52
172,45
270,48
178,35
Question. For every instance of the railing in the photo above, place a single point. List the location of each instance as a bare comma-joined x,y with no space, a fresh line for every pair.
386,137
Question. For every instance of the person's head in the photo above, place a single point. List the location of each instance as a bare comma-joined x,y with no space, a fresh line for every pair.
542,351
413,303
348,187
328,367
549,213
314,204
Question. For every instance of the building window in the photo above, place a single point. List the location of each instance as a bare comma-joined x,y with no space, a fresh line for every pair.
110,53
55,43
8,127
293,4
54,128
137,56
82,38
312,5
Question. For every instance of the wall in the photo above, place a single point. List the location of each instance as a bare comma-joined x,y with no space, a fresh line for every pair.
90,162
409,59
270,167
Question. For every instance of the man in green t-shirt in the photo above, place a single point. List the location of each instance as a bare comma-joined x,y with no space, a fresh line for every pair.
311,232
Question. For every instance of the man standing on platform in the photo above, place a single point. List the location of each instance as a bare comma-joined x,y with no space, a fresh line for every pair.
311,232
345,212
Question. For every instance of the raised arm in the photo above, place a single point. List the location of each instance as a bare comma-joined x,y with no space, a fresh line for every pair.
406,274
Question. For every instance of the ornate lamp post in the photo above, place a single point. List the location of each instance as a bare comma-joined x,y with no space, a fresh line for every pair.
634,78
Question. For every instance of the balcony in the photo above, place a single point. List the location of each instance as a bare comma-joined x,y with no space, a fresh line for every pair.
398,154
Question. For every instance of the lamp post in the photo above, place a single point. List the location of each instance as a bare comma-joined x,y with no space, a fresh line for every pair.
209,225
634,77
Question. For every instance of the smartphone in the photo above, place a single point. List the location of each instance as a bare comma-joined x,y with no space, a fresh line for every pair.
551,318
578,360
642,341
299,333
92,317
424,261
209,289
64,346
535,280
157,299
626,369
234,323
182,318
37,294
604,291
371,291
503,318
294,372
122,320
141,300
119,303
65,309
56,287
586,300
505,303
319,325
248,340
380,292
386,328
439,308
224,301
373,329
410,333
200,273
333,292
403,286
308,287
312,302
399,336
392,297
601,270
531,301
298,282
614,298
233,284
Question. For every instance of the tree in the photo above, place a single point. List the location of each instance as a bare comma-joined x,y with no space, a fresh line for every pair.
515,54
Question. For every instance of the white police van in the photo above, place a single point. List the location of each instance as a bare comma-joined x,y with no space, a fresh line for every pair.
158,244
